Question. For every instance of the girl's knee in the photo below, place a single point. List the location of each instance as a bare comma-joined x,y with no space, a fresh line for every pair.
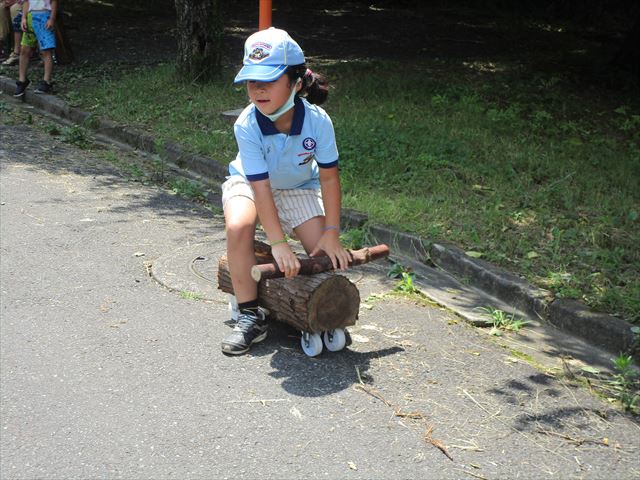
239,233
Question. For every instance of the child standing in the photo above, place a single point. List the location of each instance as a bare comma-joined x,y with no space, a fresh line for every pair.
285,174
15,13
38,21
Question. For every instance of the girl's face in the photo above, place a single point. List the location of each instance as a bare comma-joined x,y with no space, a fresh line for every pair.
270,96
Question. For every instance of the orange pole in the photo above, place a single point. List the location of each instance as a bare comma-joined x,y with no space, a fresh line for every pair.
265,15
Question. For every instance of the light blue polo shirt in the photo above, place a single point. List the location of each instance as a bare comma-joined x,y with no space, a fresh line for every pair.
288,161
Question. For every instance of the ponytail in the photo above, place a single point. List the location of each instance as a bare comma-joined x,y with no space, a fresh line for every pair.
315,87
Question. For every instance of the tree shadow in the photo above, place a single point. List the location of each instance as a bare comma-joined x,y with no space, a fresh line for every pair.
46,153
545,407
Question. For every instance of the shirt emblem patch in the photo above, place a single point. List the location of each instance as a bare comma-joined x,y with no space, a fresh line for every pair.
307,159
309,143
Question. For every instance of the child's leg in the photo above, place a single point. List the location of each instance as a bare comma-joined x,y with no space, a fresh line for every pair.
25,55
310,232
46,40
17,36
16,18
305,213
47,58
240,219
27,44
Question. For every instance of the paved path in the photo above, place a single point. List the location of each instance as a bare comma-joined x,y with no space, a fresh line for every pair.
107,374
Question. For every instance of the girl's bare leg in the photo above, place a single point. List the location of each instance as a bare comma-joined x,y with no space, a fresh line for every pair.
47,58
310,232
25,55
241,219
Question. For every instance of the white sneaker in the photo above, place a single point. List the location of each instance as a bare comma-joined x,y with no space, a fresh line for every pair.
13,59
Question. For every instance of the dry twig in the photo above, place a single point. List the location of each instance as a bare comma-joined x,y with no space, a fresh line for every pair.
575,441
470,473
436,443
399,413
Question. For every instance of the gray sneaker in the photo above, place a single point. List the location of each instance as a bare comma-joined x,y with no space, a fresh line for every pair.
251,328
44,87
21,88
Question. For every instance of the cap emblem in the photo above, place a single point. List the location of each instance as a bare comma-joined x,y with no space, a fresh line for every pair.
258,54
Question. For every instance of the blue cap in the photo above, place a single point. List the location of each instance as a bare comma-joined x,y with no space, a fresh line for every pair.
267,54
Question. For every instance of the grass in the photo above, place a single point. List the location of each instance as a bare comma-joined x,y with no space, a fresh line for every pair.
526,171
622,385
502,321
624,381
188,295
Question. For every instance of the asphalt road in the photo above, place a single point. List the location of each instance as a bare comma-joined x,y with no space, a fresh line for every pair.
104,373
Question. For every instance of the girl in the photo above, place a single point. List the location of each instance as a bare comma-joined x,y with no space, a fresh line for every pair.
285,174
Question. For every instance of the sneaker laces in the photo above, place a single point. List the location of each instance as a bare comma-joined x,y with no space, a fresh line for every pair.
245,322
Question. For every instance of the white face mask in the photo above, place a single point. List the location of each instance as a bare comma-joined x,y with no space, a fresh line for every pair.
288,105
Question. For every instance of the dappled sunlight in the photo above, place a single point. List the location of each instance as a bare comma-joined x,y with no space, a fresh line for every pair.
486,67
335,13
101,2
548,28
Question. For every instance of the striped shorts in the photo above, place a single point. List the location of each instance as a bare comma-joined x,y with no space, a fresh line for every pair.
295,206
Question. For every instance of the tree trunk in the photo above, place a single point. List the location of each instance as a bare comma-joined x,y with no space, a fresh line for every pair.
64,54
200,33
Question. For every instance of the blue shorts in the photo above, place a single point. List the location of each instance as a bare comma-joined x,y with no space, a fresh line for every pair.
17,20
36,22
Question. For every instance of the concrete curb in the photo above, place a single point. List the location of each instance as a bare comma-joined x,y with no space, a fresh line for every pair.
600,329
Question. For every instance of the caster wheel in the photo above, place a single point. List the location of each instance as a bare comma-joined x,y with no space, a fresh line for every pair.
335,340
311,344
233,308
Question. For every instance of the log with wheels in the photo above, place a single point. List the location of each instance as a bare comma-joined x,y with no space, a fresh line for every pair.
310,303
316,302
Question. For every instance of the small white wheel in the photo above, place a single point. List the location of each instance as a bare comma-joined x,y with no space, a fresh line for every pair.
233,308
335,340
311,344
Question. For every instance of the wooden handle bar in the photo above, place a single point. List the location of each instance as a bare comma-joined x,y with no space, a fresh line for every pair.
310,266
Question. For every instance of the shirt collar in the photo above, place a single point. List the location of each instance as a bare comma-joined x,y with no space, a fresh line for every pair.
268,128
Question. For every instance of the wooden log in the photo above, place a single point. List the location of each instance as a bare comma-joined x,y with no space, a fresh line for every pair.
311,266
311,303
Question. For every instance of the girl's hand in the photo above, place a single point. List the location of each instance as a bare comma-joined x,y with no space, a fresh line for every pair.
23,24
50,24
287,261
329,243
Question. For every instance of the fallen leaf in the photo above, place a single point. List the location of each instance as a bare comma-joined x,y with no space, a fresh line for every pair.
138,254
352,465
359,338
474,254
295,412
589,369
370,327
